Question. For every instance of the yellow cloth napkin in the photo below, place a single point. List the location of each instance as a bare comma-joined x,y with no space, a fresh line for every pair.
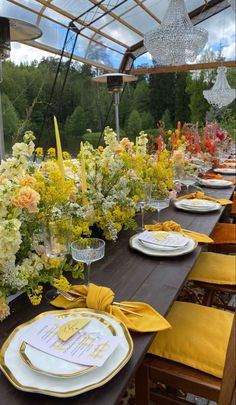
200,195
174,227
101,298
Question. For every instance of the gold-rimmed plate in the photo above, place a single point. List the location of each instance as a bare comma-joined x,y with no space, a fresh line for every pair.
25,378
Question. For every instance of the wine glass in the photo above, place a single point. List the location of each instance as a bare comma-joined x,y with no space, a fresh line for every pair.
57,238
159,203
188,180
87,251
142,202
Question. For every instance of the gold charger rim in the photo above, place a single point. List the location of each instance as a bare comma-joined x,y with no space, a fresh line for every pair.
10,376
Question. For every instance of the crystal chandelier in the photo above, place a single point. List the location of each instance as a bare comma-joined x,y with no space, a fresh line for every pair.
176,41
233,4
221,93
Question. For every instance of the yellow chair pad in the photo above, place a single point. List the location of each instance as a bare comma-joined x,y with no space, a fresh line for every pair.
198,338
214,268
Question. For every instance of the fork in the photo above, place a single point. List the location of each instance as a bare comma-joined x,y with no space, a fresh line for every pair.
70,297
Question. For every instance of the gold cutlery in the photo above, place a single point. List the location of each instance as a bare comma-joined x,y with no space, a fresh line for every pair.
78,297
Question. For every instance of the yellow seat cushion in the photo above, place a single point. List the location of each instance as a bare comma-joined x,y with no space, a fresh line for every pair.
198,338
214,268
224,234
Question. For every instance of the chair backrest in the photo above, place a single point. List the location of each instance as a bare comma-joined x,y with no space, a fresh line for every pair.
229,376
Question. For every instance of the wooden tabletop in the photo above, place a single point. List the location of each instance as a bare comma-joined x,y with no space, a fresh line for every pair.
132,276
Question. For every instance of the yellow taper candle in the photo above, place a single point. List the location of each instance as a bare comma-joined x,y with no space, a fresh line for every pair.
59,151
83,171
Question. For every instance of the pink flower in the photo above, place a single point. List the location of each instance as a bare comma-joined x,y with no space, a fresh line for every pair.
27,198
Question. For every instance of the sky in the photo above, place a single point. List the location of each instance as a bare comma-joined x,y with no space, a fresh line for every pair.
221,30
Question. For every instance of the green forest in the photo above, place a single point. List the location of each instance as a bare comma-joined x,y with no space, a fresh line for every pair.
83,105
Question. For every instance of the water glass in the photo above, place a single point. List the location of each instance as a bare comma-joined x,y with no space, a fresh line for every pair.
188,180
87,251
145,196
57,237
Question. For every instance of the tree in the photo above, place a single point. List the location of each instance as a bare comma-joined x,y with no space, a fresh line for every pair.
147,120
11,121
141,97
166,118
181,99
162,95
134,124
75,124
198,104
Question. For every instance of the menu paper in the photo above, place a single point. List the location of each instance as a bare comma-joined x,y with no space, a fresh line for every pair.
164,239
87,347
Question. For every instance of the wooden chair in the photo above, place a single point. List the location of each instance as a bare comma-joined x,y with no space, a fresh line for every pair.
205,276
175,377
233,208
224,236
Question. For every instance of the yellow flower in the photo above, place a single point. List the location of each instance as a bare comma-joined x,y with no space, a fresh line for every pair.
34,298
39,152
51,152
66,155
177,131
169,132
28,181
61,283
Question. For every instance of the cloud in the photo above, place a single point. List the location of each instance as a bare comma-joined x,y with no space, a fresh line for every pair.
25,54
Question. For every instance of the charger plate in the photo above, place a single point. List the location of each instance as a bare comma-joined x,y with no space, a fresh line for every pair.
195,208
225,170
137,245
215,183
26,379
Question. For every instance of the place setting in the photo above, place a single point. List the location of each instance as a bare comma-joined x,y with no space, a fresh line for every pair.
197,205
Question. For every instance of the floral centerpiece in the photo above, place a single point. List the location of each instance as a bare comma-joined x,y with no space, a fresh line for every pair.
100,188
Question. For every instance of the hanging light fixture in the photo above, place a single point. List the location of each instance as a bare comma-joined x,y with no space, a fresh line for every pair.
221,93
233,4
176,41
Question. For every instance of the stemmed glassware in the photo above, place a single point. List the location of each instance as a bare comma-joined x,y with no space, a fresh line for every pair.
188,180
57,239
87,251
145,196
159,203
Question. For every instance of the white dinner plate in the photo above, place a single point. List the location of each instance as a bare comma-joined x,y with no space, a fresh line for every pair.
225,170
137,245
156,246
213,206
26,379
215,183
54,366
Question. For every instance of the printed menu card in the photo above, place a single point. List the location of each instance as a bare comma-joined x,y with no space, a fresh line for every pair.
75,340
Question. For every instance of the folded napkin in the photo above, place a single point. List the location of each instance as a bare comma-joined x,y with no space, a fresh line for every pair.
210,176
101,299
201,196
174,227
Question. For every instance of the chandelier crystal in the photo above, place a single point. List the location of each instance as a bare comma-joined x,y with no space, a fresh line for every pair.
176,41
221,93
233,4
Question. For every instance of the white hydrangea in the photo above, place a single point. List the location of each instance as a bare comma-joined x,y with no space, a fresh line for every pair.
10,240
142,141
22,150
110,137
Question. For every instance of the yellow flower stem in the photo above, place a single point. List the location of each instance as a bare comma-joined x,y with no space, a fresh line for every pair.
83,171
59,150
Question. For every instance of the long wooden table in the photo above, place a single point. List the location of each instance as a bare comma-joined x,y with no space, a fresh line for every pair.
132,276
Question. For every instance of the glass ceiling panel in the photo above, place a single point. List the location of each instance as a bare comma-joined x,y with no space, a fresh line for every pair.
75,7
10,10
193,4
123,34
140,20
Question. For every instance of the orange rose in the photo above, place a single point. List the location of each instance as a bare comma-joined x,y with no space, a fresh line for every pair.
27,198
28,181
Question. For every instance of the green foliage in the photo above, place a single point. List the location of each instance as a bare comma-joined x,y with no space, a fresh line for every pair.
141,97
228,122
147,120
75,124
198,104
166,118
11,120
134,124
92,137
